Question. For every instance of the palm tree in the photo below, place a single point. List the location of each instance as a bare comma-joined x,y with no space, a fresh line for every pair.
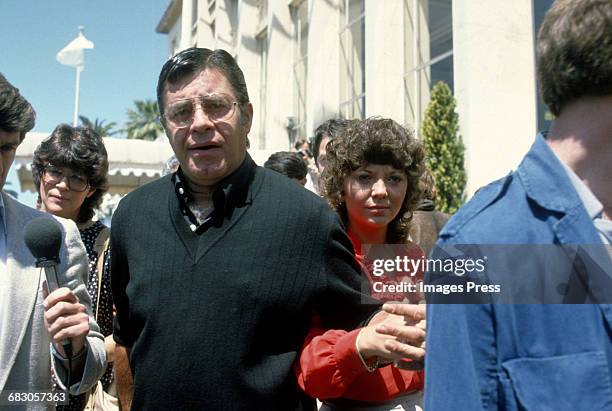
104,130
142,123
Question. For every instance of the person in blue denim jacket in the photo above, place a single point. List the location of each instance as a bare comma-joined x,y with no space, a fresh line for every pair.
540,356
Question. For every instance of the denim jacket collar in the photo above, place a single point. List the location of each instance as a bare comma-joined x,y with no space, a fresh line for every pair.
548,185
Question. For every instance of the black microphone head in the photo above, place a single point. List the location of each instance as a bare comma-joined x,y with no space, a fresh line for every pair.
43,237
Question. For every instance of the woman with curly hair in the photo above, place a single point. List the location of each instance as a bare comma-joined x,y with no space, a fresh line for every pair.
372,181
370,161
70,172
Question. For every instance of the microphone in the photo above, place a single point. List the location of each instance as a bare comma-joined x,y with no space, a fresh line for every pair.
43,237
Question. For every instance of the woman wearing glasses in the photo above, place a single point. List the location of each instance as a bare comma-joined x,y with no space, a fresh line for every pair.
70,172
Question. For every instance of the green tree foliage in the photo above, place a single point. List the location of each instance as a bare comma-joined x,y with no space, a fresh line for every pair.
445,149
142,122
104,130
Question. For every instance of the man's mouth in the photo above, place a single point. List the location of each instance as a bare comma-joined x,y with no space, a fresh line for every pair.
204,147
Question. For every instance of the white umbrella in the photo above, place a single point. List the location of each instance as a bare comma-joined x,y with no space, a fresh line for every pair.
72,55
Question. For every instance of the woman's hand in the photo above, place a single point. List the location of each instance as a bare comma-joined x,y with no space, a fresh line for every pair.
396,333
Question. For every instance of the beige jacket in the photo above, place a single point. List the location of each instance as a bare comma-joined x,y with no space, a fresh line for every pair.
25,349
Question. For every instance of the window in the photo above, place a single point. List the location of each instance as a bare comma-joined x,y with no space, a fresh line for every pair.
352,59
195,18
233,11
194,12
263,9
210,37
428,40
540,7
300,71
262,15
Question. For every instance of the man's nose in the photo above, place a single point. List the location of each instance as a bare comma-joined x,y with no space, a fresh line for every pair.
201,121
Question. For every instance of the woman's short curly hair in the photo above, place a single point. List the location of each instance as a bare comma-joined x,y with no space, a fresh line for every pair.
375,141
80,149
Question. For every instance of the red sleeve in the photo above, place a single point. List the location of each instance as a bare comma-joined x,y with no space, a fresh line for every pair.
329,367
328,362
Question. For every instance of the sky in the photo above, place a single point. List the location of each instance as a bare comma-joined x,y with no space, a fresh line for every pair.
122,67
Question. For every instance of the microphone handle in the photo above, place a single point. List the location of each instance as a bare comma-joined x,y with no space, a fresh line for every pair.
52,278
52,285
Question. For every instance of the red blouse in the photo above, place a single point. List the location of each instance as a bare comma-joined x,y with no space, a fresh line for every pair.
329,365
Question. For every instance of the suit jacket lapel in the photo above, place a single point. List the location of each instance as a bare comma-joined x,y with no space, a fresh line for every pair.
23,287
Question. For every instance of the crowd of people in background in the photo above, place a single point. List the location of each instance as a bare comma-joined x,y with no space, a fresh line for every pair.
225,285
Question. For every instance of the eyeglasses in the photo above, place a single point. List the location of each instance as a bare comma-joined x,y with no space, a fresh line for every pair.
53,176
217,107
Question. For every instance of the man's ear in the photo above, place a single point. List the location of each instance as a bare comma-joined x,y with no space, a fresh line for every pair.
247,119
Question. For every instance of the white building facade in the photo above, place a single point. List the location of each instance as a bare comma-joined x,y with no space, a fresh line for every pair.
306,61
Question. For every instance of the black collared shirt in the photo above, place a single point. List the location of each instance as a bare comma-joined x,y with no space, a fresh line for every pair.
231,192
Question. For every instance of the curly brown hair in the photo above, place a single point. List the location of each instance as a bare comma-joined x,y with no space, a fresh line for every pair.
80,149
375,141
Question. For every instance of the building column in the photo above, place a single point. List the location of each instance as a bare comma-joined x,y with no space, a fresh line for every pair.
384,59
494,74
323,62
186,18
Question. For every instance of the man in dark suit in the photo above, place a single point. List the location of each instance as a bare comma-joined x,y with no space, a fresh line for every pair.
219,268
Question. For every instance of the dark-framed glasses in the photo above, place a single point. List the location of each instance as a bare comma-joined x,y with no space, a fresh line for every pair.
217,107
54,175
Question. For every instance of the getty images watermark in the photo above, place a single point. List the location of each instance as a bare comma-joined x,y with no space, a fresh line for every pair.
501,274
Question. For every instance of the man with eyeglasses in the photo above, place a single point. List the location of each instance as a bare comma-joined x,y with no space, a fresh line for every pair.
219,268
32,324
